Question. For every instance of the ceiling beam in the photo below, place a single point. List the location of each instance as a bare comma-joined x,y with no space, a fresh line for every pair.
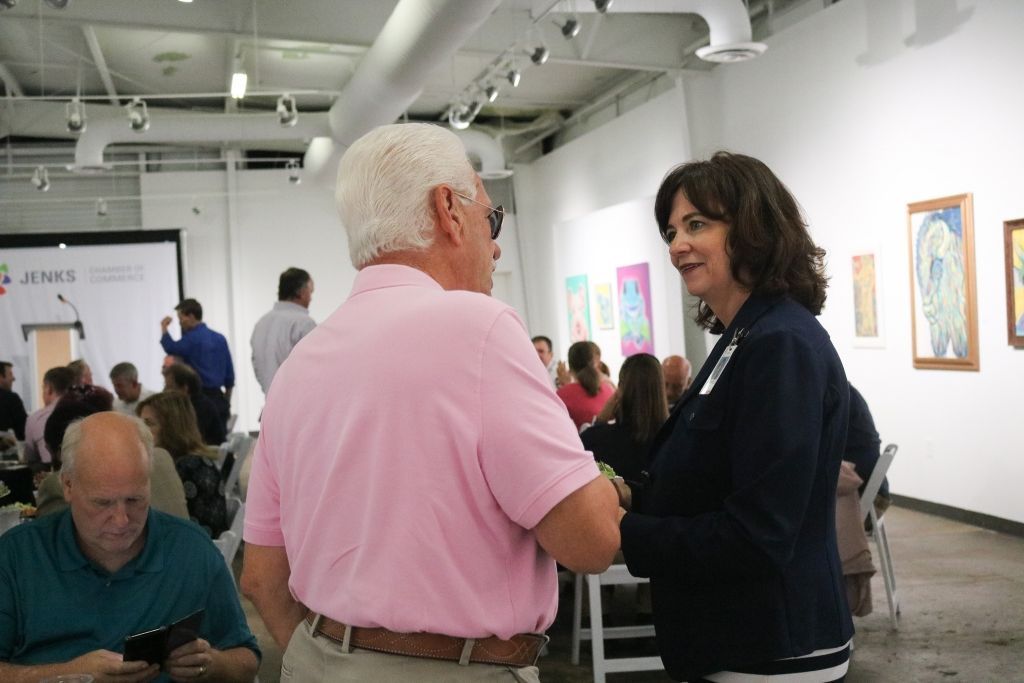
10,82
101,63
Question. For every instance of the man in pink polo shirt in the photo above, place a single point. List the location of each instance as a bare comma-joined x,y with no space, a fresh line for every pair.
416,477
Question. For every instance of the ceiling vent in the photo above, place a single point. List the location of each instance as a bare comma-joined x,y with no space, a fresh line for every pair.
734,52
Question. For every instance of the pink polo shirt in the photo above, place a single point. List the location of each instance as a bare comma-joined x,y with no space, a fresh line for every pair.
408,446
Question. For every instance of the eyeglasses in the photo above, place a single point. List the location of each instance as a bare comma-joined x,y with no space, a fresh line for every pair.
495,217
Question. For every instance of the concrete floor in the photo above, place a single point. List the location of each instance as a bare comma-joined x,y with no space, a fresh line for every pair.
961,591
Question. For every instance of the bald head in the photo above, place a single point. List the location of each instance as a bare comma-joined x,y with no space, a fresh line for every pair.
677,376
104,441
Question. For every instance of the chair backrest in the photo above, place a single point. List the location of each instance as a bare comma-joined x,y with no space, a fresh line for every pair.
867,499
239,446
229,540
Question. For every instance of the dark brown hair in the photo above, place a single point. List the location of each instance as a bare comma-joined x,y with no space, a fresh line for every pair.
581,361
81,400
641,407
770,250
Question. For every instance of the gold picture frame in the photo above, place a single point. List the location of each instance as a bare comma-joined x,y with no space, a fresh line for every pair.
943,295
1014,244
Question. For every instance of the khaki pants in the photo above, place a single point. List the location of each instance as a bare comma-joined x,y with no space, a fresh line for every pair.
320,659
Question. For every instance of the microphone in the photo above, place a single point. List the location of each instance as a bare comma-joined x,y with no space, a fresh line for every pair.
78,321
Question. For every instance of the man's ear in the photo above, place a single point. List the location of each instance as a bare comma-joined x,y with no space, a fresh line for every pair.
65,482
450,216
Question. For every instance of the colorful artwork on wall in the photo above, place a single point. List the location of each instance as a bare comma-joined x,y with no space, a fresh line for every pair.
636,326
943,300
867,311
578,306
1014,233
603,298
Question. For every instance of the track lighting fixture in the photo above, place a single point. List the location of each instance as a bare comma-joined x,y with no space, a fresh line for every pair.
57,4
138,115
294,172
513,76
74,112
492,93
287,112
540,54
41,179
571,28
458,116
602,5
101,207
8,4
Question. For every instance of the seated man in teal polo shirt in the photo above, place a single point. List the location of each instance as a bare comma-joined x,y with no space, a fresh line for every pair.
73,585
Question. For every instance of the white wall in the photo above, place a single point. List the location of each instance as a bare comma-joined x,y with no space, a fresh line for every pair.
271,225
861,109
616,164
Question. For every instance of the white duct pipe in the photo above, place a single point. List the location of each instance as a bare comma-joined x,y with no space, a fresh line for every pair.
485,149
188,127
728,22
419,36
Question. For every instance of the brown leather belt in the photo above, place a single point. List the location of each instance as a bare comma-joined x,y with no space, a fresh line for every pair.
521,650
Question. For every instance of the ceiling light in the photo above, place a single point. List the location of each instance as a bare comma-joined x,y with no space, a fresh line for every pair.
540,54
75,114
492,93
514,76
57,4
602,5
294,172
287,112
41,179
185,1
458,117
101,207
8,4
138,115
239,81
571,28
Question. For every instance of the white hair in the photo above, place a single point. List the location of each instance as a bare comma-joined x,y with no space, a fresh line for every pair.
384,184
73,440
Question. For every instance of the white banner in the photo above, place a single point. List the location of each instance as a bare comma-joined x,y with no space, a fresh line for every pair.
121,292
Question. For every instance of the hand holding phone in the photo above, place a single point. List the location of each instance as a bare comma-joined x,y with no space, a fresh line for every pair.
155,645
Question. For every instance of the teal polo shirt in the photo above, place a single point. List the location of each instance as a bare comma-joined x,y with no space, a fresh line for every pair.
56,605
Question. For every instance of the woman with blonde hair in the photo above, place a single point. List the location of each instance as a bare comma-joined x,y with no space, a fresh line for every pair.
171,418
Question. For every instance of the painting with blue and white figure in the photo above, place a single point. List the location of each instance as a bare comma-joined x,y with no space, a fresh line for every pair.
636,327
940,281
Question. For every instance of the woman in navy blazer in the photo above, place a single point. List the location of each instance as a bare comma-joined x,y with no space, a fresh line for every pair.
736,524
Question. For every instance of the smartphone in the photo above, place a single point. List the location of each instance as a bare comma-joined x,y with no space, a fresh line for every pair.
184,630
148,646
156,645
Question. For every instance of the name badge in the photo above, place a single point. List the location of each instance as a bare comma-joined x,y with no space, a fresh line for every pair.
722,362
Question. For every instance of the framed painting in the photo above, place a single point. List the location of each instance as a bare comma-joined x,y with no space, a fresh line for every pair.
603,299
867,311
1014,236
578,306
636,324
944,309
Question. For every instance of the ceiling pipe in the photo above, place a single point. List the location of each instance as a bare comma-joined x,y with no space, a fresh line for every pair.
190,128
728,23
487,151
418,37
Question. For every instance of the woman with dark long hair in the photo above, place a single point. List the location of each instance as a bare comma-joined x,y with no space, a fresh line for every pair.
171,418
586,395
736,525
640,409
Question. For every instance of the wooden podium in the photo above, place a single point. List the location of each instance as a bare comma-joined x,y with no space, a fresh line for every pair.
50,345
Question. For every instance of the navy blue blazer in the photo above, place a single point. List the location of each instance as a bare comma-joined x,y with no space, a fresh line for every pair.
736,525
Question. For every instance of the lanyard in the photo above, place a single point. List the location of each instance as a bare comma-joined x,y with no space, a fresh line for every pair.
723,360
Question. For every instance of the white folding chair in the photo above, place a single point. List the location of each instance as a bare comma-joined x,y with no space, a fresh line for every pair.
617,574
877,532
238,448
230,540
